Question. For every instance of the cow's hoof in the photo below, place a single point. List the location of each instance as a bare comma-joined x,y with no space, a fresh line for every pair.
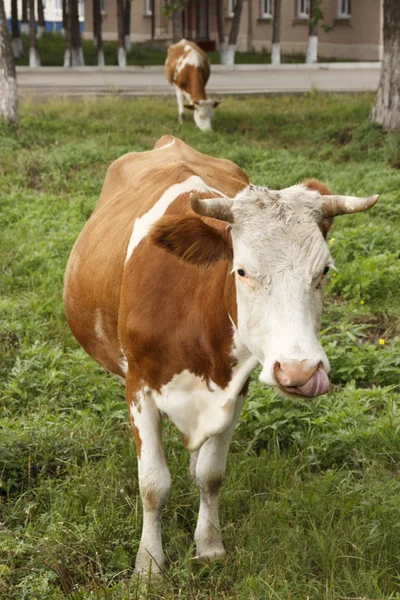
147,567
209,553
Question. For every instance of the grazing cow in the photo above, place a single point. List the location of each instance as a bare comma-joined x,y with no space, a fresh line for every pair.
187,69
183,280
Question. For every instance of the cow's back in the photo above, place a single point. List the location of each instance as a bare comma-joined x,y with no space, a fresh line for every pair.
188,67
133,186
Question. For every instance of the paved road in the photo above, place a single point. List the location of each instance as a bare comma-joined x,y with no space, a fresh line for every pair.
241,79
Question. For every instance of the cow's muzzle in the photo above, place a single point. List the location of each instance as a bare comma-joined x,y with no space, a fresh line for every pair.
301,378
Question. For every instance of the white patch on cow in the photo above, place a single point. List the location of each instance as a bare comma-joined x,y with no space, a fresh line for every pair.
189,57
123,363
198,411
99,327
166,145
143,224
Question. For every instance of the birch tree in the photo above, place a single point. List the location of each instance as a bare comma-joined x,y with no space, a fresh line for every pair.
386,109
8,78
220,29
276,34
24,18
127,25
34,57
16,42
41,22
314,18
97,32
228,53
121,34
77,59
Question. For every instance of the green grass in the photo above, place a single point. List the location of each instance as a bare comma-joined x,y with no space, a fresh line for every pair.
51,48
310,508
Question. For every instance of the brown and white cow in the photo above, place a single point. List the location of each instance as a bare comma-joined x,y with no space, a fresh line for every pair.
187,69
183,280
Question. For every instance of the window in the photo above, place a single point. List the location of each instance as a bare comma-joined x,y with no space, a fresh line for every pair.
344,9
302,9
149,7
266,12
231,7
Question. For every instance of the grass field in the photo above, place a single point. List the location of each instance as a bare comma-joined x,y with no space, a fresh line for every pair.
51,49
311,505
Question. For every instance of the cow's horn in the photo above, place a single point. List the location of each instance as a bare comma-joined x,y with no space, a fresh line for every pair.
342,205
218,208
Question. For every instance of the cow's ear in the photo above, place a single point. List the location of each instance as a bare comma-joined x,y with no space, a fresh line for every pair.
217,103
189,106
191,239
318,186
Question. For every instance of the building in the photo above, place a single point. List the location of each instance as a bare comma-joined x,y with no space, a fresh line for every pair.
52,13
355,27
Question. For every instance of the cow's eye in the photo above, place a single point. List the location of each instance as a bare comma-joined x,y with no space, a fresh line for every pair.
241,273
326,270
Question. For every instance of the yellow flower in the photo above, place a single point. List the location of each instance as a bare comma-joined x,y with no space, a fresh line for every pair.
332,240
381,341
361,301
334,274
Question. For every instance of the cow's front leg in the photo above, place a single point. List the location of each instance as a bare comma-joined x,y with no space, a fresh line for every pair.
209,467
181,107
154,477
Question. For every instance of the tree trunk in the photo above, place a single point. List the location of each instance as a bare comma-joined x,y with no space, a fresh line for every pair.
127,25
97,33
24,20
34,58
67,32
16,42
177,29
41,24
121,34
77,59
386,109
64,17
228,54
220,28
276,34
8,78
312,46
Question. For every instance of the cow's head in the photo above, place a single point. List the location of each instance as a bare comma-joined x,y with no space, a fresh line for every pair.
280,260
203,112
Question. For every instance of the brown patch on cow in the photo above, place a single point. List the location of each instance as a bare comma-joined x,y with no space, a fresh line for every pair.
213,484
318,186
185,440
191,239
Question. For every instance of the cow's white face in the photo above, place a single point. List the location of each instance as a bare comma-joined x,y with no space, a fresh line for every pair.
203,113
280,260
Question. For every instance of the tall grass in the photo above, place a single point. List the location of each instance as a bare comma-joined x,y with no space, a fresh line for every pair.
310,508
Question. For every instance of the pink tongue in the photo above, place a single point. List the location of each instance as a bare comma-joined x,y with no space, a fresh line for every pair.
317,385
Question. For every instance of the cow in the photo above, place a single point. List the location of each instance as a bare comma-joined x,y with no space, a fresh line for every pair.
187,69
185,278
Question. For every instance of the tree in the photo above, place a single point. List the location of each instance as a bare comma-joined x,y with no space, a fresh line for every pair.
121,34
314,18
386,109
41,23
228,51
276,34
97,32
221,29
24,19
127,25
77,59
16,42
34,57
8,77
